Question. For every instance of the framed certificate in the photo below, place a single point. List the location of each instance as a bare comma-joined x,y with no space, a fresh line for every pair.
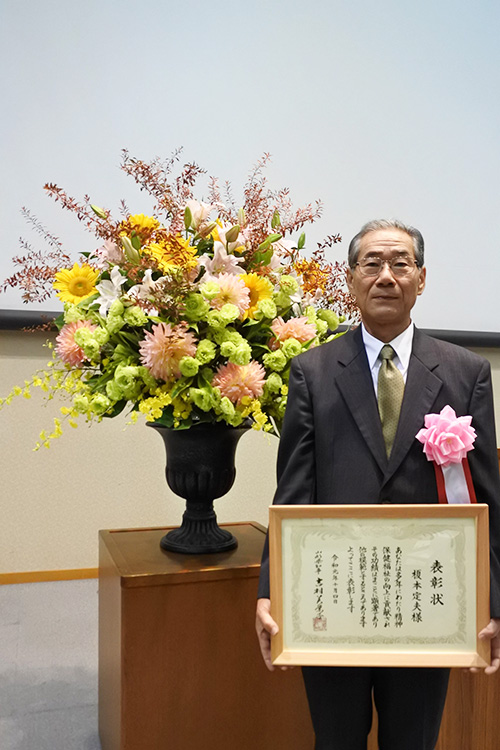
380,585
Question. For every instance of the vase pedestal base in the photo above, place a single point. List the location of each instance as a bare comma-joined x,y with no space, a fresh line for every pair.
198,535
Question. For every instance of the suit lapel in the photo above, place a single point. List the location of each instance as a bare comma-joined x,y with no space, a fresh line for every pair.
421,390
356,385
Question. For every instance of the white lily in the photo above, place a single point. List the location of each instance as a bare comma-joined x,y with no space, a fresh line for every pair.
222,262
146,288
109,253
283,248
239,242
199,211
110,290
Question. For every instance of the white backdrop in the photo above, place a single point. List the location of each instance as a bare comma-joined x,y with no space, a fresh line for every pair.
381,110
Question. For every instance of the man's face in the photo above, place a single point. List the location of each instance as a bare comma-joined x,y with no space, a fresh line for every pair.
385,301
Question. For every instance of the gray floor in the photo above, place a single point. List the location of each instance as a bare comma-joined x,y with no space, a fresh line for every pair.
48,666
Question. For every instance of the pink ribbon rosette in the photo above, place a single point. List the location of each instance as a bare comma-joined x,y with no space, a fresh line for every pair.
447,439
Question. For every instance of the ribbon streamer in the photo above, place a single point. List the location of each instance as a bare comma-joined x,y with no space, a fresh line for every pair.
454,483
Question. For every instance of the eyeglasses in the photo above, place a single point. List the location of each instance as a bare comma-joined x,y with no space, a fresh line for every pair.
398,266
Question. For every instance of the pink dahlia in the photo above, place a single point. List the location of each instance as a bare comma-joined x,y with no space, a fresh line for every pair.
237,381
233,290
295,328
163,348
66,347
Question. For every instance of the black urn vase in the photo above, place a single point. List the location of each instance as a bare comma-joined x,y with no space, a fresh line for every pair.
200,468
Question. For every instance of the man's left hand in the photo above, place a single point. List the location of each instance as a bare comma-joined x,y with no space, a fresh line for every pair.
492,633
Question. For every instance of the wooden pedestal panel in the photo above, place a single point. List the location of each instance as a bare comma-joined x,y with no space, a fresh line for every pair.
179,663
471,719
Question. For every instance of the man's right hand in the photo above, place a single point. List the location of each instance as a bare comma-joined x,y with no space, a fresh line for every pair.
265,627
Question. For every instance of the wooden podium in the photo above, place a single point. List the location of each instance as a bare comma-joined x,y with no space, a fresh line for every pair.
179,663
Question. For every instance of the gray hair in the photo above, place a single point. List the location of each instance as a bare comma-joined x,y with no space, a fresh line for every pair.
372,226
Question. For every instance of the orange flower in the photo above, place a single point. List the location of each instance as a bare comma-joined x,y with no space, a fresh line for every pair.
172,251
237,381
66,347
296,328
313,276
162,350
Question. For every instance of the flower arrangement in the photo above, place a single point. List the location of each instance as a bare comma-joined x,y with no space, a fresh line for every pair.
190,315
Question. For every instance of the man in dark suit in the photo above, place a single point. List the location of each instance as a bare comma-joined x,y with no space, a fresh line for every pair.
338,446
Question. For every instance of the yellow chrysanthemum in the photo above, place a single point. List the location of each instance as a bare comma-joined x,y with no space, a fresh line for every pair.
260,288
75,284
172,251
142,225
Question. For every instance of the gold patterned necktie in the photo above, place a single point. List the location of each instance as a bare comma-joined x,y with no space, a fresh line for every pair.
390,391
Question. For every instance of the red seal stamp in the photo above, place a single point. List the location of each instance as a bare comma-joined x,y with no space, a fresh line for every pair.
319,623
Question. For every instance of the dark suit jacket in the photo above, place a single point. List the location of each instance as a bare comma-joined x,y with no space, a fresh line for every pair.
332,448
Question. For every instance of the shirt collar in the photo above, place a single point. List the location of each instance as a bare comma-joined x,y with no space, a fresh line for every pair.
402,345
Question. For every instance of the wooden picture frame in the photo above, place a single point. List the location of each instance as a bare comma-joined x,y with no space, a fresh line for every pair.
380,585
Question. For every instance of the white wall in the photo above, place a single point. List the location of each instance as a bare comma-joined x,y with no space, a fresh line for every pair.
379,109
53,502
